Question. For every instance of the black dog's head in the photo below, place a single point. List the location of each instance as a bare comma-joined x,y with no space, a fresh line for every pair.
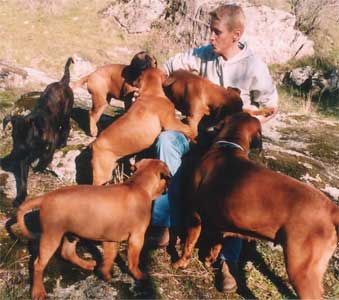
25,134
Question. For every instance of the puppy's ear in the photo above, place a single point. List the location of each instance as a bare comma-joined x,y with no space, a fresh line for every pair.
256,142
153,61
165,173
169,80
235,90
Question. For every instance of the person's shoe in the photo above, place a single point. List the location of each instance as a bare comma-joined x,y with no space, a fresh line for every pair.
227,282
157,236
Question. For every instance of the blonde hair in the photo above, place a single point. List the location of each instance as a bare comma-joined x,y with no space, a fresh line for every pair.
231,15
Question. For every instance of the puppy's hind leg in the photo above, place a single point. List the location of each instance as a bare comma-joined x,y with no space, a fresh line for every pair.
110,251
22,182
307,260
49,242
193,233
135,244
98,107
68,252
103,164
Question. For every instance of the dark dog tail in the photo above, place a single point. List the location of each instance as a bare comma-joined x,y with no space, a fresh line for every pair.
66,78
22,210
335,215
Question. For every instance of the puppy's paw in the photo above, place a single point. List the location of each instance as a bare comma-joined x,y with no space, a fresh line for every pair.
39,294
138,275
181,263
89,264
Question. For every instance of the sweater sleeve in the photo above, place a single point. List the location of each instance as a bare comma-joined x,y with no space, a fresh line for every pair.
187,61
263,91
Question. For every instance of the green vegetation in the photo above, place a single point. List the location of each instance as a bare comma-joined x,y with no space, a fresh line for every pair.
42,37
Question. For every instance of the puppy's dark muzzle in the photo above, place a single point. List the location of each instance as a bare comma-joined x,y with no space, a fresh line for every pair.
168,179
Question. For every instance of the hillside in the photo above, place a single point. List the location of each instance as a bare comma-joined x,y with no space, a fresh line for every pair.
37,38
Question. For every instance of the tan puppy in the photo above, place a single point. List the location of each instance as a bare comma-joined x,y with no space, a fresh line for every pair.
109,214
113,81
235,197
137,129
196,97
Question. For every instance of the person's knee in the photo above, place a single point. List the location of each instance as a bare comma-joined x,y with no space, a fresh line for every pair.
172,140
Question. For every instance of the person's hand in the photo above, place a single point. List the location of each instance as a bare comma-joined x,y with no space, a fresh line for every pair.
263,114
268,113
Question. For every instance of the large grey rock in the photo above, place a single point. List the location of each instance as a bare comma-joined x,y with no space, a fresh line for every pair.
135,16
11,76
269,32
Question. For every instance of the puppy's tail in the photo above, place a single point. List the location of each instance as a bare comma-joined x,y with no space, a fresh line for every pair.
22,210
66,78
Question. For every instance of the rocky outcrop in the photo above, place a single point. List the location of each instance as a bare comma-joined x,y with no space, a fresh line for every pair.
270,32
135,16
308,78
11,76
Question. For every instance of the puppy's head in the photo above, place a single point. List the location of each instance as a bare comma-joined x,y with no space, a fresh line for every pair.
157,169
27,135
142,61
241,127
150,78
23,131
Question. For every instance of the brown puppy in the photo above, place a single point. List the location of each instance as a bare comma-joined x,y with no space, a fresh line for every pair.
233,196
116,212
113,81
137,129
196,97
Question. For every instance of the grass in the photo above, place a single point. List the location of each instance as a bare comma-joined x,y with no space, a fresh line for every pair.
45,41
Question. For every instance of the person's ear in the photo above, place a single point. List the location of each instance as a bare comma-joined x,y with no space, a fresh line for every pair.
236,36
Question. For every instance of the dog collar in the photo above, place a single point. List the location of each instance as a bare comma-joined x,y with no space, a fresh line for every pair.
224,143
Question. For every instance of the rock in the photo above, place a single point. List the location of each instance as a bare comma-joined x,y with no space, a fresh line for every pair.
63,165
307,79
269,32
7,184
81,67
36,76
11,76
135,16
333,80
90,288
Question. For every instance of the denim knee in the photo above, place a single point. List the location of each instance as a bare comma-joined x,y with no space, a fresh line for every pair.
170,147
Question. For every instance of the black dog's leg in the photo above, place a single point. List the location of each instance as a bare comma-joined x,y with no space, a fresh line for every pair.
64,133
22,183
45,157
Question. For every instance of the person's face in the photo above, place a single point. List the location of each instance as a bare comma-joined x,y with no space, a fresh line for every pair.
221,38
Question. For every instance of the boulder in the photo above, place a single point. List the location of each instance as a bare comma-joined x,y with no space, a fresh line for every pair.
11,76
269,32
136,16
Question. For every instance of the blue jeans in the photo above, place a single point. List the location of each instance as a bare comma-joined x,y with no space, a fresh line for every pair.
170,148
167,209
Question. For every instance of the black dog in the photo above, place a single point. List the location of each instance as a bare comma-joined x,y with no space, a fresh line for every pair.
37,135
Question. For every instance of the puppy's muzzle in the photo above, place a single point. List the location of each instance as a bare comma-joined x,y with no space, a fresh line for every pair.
168,179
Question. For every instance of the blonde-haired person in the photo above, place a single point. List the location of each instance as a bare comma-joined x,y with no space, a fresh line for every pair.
228,62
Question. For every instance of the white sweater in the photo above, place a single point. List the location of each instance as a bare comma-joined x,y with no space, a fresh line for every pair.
244,71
